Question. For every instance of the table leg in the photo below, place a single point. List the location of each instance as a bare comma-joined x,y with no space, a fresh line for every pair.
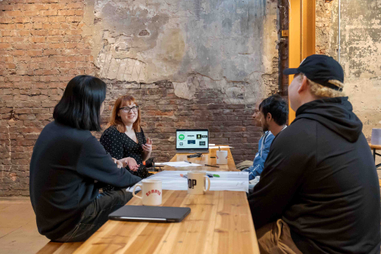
374,155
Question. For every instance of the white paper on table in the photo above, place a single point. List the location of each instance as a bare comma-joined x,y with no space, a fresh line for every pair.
178,164
229,181
217,147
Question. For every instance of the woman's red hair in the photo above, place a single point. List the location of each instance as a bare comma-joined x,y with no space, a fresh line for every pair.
116,121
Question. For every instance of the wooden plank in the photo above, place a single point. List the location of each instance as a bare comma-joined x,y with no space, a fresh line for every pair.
302,36
220,222
191,236
59,248
377,147
50,247
235,224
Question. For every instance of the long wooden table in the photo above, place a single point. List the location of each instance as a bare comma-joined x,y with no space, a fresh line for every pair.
219,222
209,159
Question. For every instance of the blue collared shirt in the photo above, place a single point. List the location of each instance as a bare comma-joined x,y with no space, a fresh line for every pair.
260,158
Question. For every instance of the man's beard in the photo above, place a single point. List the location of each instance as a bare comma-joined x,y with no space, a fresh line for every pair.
265,126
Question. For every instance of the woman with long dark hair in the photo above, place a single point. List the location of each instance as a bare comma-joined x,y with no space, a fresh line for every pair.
69,166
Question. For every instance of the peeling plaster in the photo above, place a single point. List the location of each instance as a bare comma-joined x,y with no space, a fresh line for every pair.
234,92
360,54
228,45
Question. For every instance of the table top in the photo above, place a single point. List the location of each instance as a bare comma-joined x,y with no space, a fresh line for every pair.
209,158
377,147
219,222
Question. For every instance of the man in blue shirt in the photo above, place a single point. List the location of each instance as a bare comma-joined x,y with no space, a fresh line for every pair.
271,114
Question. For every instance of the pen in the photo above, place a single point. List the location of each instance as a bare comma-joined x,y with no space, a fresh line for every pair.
214,166
188,162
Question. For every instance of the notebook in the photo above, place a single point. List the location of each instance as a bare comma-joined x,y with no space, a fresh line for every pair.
192,141
150,213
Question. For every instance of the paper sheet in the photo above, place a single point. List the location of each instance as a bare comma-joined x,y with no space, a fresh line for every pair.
217,147
178,164
229,181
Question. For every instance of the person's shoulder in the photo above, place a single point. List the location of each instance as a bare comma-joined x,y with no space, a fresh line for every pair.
57,132
68,130
268,137
298,135
299,128
141,132
111,130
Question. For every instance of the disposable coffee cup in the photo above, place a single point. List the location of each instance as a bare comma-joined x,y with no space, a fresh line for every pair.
222,157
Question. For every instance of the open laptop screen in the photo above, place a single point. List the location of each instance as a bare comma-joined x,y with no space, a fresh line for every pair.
192,140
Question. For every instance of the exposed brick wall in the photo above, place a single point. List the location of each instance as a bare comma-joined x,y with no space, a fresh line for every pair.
163,112
41,48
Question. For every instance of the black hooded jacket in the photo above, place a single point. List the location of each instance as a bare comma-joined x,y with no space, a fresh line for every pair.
320,178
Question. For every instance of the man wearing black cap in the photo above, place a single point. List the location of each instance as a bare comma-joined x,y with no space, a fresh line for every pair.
319,189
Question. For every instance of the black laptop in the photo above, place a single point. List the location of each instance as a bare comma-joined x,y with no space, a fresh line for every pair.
192,141
150,213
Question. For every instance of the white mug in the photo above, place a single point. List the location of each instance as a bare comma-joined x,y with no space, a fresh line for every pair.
196,182
151,192
222,157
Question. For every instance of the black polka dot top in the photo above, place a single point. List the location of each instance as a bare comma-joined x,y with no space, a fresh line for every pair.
119,146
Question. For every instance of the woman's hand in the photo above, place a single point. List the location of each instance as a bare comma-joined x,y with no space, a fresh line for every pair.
118,163
147,147
131,163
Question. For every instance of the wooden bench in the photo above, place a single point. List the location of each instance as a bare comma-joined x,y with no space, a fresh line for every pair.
61,248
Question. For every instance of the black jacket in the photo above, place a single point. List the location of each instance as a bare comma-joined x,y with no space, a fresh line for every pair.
320,178
64,165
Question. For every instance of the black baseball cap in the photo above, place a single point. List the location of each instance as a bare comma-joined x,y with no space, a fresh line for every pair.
320,69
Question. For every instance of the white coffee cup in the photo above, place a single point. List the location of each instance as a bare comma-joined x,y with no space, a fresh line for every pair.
222,157
151,192
196,182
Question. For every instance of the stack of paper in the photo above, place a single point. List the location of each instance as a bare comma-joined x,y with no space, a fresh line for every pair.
178,164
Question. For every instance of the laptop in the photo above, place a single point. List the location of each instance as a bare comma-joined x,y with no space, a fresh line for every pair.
192,141
150,213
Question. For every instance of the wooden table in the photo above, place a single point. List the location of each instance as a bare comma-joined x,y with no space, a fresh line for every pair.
219,222
374,149
209,159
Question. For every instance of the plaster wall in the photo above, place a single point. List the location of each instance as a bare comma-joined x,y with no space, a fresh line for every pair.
360,52
226,45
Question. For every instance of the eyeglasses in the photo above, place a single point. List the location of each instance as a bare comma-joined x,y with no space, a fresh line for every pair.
128,109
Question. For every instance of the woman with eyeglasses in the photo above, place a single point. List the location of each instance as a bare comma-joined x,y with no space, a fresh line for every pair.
124,138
